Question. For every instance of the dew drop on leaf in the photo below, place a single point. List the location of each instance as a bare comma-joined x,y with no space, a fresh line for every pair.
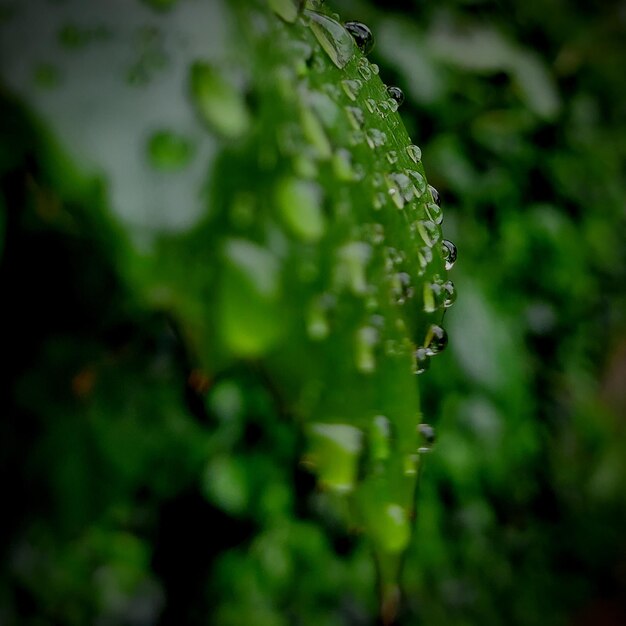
362,36
333,37
449,253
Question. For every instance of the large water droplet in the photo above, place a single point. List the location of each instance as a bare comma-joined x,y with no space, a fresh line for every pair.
362,36
449,253
415,153
436,339
396,94
333,37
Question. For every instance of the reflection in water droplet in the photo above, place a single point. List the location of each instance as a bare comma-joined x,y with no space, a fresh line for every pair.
449,294
397,94
362,36
415,153
436,339
333,38
449,253
352,88
429,232
435,194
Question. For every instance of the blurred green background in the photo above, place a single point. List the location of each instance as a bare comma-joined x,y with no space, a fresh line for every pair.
136,488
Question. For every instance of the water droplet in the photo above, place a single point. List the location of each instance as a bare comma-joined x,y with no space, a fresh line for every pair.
392,105
375,138
434,212
375,69
366,340
429,232
333,37
425,256
168,151
220,105
392,156
415,153
435,195
419,182
314,132
397,94
342,165
300,205
317,317
370,103
362,36
356,117
421,360
333,452
286,9
427,437
411,464
379,440
350,270
449,294
449,253
352,88
379,200
433,296
364,69
436,339
401,287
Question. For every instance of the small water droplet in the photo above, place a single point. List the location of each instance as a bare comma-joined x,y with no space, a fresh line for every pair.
366,340
415,153
436,339
333,37
383,109
419,182
356,117
370,103
427,437
352,88
375,69
392,105
362,36
411,464
425,256
342,165
449,253
435,195
356,137
434,212
379,200
392,156
433,296
364,69
429,232
449,294
380,435
397,94
375,138
401,287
